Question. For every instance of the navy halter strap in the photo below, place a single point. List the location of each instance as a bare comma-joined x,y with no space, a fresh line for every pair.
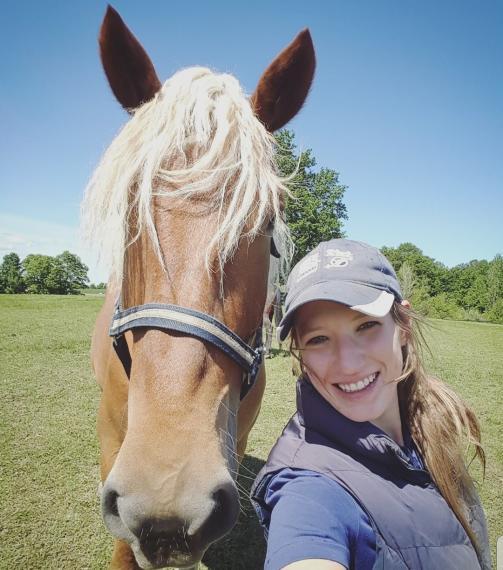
192,323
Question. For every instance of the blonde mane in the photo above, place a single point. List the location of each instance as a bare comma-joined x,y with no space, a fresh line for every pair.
198,138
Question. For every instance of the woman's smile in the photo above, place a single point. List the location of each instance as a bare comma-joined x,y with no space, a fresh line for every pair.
357,387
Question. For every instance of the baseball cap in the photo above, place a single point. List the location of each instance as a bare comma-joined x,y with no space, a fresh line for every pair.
345,271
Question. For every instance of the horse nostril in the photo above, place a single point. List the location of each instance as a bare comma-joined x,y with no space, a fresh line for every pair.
222,501
109,502
223,515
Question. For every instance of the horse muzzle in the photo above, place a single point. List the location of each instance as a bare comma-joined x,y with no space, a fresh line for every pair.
161,537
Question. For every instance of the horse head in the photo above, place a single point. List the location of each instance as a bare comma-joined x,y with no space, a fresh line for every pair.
186,200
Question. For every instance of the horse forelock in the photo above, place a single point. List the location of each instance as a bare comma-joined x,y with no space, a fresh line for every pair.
197,139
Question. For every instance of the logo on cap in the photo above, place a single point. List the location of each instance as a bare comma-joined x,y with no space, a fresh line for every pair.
338,258
307,266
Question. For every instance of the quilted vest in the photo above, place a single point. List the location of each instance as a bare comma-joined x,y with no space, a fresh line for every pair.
414,526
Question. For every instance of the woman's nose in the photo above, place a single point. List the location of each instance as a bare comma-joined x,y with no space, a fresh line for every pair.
348,357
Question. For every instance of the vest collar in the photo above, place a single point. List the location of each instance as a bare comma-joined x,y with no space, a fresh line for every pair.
362,439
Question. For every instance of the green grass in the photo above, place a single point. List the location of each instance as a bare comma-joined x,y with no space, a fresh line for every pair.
93,292
49,454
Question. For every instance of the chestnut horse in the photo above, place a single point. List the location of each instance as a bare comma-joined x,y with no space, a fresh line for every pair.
185,201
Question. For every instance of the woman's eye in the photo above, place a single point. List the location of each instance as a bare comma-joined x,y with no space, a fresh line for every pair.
316,340
368,325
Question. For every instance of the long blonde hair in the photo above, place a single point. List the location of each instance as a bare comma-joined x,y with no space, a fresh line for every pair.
441,424
443,427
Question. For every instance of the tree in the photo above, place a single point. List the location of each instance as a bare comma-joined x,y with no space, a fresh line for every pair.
11,274
476,296
443,307
72,273
495,313
495,281
37,269
315,211
468,284
100,285
405,252
430,274
64,274
407,280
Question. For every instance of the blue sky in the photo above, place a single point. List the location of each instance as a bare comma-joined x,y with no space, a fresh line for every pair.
407,105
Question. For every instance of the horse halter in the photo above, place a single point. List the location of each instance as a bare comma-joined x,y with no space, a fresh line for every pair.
191,323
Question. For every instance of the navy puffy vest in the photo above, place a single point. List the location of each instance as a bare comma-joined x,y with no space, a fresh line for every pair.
414,526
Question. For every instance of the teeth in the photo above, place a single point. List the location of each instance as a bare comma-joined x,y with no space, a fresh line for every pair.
360,385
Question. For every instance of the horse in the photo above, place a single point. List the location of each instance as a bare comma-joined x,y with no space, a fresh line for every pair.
185,203
273,313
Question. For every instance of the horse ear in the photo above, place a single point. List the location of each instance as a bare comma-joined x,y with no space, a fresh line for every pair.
284,86
128,68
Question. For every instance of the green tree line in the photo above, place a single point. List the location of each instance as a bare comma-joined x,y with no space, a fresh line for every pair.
469,291
64,274
314,212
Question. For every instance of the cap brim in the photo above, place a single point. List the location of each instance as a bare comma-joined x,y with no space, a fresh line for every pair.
362,298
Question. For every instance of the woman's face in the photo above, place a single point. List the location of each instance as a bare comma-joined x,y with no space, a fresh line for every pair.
352,360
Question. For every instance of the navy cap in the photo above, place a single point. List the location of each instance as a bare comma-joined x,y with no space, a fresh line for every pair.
345,271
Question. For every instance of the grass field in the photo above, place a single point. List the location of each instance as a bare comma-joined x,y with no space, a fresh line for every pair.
49,454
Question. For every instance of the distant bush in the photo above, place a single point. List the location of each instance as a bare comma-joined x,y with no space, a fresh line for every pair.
495,313
473,315
101,285
443,307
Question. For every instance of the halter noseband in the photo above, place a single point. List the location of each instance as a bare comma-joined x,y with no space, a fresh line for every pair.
192,323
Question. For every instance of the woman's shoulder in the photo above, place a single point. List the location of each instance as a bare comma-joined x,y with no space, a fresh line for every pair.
301,486
312,510
291,481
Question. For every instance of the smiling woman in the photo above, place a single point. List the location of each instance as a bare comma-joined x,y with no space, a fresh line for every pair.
374,448
353,359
